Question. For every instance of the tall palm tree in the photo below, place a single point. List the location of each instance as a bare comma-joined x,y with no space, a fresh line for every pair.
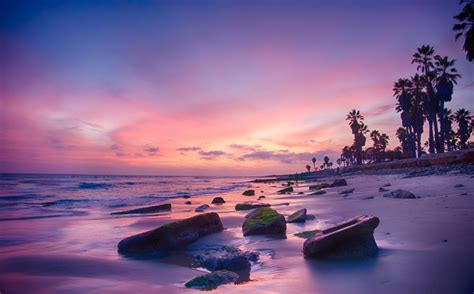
446,78
466,26
356,122
424,58
418,111
308,167
402,136
402,92
463,118
449,134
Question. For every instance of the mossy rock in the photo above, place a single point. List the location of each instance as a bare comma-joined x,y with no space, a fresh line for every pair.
212,280
264,221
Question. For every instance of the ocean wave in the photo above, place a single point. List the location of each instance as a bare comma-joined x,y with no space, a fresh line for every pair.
88,185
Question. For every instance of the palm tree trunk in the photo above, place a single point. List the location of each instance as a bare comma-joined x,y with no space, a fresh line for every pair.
430,126
436,133
441,124
418,141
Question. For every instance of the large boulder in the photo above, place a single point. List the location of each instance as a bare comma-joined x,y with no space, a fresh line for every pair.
218,200
286,190
249,193
264,221
250,205
171,236
298,216
350,239
212,280
399,193
339,182
149,209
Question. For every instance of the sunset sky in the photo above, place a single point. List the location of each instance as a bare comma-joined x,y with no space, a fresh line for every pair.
205,87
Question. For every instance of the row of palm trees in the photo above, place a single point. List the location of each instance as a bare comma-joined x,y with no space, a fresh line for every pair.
326,164
422,97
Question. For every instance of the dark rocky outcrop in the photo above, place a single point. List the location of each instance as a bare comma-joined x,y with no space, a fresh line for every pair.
212,280
298,216
250,205
399,193
171,236
350,239
286,190
249,193
218,200
264,221
339,182
201,208
227,258
149,209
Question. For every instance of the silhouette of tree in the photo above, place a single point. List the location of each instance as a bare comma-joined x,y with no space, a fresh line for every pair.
380,144
418,111
446,76
463,119
449,134
424,58
308,167
403,94
402,136
356,122
314,162
465,26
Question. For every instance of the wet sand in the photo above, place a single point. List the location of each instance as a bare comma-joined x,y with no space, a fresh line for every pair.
425,244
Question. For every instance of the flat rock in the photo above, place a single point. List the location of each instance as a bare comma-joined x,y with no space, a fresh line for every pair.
298,216
339,182
250,205
286,190
348,191
319,186
171,236
319,192
249,193
399,193
201,208
212,280
350,239
264,221
387,185
149,209
218,200
382,189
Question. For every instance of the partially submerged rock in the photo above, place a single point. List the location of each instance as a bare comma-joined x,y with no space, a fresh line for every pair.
348,191
399,193
212,280
250,205
350,239
227,258
264,221
171,236
310,217
249,193
339,182
307,234
149,209
286,190
298,216
201,208
218,200
382,189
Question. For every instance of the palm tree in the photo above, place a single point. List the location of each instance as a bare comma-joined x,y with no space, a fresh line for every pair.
418,111
466,26
449,134
424,58
402,92
308,167
356,122
314,162
463,118
402,136
446,76
326,161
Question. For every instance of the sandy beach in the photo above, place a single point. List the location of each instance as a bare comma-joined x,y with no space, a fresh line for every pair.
424,243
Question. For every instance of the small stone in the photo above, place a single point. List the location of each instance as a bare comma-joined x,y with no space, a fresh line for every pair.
286,190
307,234
249,193
348,191
218,200
298,216
320,192
459,186
201,208
399,193
250,205
381,189
261,197
339,182
188,203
